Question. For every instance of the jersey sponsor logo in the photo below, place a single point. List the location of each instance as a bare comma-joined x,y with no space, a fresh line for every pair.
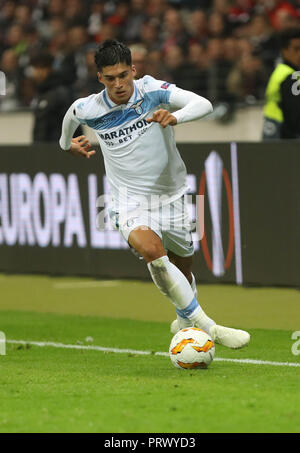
125,134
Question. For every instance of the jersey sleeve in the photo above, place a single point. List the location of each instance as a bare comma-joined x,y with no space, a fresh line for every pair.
69,126
159,90
188,106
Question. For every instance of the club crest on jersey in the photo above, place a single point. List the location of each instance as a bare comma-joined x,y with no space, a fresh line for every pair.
137,107
165,85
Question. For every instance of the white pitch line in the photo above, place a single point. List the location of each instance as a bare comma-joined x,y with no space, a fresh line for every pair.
44,344
258,362
86,285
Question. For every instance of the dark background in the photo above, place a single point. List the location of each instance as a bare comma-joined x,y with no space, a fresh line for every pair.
269,193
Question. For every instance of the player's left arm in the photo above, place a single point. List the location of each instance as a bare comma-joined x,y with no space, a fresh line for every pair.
79,146
189,107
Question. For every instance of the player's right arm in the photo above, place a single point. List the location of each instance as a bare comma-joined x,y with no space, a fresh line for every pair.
184,105
78,146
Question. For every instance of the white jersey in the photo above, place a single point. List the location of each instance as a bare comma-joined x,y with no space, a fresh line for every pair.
141,158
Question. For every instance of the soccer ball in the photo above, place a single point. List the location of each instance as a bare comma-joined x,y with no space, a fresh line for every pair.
191,348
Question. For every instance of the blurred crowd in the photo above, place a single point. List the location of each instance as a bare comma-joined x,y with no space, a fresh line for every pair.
224,50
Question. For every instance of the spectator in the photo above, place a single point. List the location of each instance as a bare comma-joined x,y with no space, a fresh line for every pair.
136,17
241,12
139,56
282,12
181,72
216,26
231,49
174,31
218,71
34,43
150,37
198,26
68,27
155,9
15,39
264,40
73,64
285,20
107,31
198,59
75,13
23,15
197,55
96,18
244,47
247,80
7,15
118,18
55,8
282,107
9,65
222,7
51,101
58,47
88,83
56,26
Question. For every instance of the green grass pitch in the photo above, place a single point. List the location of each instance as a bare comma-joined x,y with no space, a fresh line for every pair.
51,388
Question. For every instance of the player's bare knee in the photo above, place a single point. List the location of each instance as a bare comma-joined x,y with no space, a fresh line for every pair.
152,252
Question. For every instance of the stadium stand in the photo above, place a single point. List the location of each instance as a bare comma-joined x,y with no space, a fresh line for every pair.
224,50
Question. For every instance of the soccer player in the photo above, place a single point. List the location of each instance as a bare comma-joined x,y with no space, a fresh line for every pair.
133,122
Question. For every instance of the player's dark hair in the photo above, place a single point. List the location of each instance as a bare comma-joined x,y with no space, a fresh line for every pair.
288,35
111,52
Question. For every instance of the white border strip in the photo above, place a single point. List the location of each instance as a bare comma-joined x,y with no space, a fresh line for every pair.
44,344
236,214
